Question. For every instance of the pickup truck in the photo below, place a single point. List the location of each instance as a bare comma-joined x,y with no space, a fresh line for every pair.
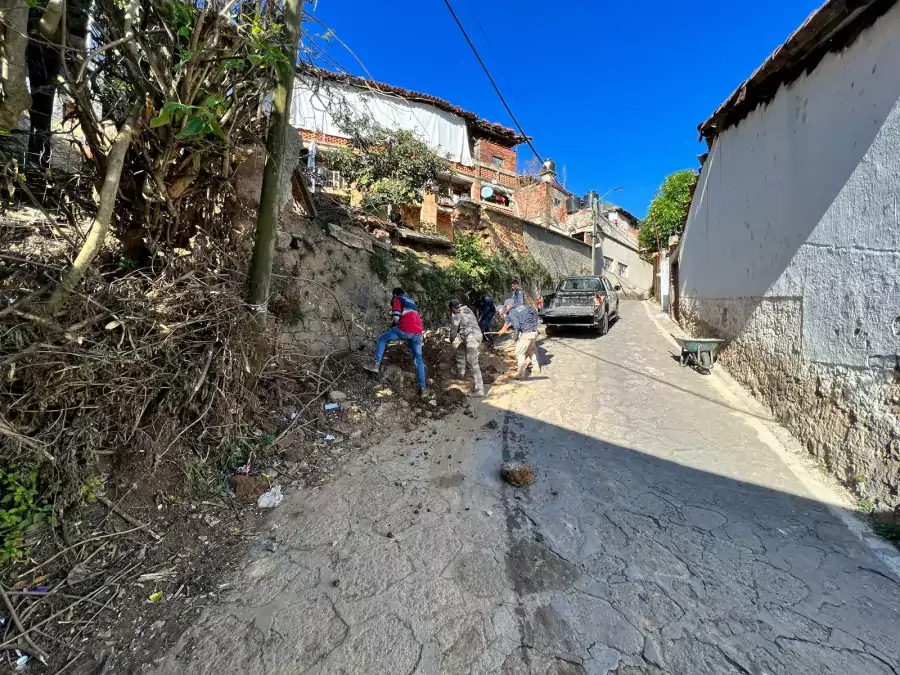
580,301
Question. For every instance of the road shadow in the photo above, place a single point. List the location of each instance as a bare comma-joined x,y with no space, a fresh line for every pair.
656,539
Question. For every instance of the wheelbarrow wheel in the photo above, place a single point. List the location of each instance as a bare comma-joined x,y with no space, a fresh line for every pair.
705,361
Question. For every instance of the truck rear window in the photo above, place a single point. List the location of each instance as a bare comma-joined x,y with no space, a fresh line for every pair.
582,284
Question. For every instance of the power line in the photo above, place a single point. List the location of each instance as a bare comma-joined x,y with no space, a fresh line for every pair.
494,84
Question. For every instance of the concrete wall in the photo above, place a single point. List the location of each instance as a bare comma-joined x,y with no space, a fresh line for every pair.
560,254
792,252
639,279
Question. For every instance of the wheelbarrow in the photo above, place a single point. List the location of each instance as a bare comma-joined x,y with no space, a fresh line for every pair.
699,353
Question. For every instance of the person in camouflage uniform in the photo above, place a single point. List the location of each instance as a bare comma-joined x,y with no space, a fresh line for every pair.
464,325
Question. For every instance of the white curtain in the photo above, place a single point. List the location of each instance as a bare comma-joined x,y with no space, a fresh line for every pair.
441,130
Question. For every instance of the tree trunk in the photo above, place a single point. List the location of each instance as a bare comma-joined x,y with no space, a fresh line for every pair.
14,96
100,227
270,200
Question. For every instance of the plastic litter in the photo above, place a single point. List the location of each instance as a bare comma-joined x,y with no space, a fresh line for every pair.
22,660
330,437
270,499
332,406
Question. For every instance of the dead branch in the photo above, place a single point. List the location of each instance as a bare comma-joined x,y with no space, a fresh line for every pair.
23,634
126,517
100,226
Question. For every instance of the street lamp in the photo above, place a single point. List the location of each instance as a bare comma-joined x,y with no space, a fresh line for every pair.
595,235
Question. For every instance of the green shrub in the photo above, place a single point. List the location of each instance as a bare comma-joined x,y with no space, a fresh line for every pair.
22,505
380,264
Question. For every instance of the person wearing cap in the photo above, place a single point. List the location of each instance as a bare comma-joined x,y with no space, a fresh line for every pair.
523,321
464,324
518,296
407,326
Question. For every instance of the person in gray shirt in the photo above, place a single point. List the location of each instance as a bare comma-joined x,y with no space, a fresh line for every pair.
523,321
464,324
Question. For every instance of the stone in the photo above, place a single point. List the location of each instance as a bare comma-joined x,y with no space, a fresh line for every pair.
248,488
517,474
337,396
283,241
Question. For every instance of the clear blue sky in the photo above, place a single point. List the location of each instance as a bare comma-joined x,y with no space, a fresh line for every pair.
613,92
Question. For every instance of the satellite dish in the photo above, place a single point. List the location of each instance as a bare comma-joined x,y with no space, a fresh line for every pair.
487,192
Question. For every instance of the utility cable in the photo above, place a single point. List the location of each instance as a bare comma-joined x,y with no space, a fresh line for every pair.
493,83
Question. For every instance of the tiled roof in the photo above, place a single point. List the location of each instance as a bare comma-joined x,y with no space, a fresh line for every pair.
831,28
497,132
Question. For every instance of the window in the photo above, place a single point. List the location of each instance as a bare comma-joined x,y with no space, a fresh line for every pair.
497,161
557,202
608,286
607,263
623,270
580,284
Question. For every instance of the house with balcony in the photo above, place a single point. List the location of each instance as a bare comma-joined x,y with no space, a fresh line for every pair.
482,154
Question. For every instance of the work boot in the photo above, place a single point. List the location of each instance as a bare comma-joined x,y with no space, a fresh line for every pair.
373,368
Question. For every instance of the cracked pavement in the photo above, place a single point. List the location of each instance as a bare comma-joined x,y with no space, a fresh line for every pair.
661,536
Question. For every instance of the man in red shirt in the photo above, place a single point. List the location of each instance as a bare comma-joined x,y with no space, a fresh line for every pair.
407,327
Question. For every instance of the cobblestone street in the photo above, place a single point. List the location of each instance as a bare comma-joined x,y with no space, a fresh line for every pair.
663,534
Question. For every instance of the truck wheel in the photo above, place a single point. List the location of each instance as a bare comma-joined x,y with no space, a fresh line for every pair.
603,326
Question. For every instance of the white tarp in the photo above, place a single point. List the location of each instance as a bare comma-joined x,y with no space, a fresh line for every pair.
445,132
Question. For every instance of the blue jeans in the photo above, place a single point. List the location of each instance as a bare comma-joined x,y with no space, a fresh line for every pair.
414,340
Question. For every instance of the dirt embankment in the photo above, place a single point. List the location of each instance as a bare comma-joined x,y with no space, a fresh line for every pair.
119,575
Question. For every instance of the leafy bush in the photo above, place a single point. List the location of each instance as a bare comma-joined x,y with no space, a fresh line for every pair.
667,210
21,506
388,167
380,264
472,271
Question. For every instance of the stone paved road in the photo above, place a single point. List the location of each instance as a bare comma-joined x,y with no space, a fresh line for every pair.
662,536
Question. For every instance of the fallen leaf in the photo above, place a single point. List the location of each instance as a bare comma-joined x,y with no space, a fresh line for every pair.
155,597
112,324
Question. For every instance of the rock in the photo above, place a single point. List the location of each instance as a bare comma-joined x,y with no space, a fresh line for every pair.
517,474
337,396
283,240
248,488
491,424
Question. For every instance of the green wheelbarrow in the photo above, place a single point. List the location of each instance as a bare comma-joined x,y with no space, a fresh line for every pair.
699,353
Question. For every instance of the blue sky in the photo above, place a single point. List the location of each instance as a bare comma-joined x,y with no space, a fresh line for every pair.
613,92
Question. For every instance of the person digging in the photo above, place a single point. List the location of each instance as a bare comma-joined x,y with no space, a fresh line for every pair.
464,325
407,326
523,321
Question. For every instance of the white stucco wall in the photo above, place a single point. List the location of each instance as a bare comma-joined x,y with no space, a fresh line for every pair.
800,199
640,273
792,253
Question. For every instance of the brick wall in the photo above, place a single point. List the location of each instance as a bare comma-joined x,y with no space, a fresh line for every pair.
507,232
485,151
322,139
534,201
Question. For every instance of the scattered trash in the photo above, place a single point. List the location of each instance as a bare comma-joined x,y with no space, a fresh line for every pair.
22,660
295,483
332,406
517,474
245,470
39,589
488,513
270,499
211,520
330,437
155,597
